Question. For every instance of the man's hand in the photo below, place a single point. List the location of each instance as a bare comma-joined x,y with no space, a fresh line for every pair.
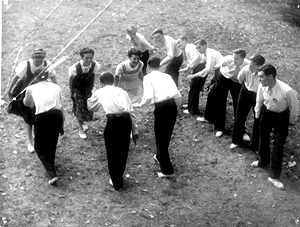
189,77
135,137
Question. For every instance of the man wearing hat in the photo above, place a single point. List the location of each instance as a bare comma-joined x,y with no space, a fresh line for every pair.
25,74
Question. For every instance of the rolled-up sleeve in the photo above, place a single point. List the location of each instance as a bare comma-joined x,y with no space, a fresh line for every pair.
259,101
293,103
93,103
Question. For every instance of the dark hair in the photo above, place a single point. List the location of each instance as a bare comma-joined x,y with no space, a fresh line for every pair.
257,59
241,52
154,62
86,51
269,69
202,42
106,78
158,30
134,51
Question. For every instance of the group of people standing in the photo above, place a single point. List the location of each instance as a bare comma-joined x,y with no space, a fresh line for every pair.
139,81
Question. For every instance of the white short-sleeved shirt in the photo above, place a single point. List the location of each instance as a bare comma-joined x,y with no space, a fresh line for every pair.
73,72
21,69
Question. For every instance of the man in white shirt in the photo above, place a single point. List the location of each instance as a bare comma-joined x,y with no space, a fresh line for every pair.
174,58
139,42
277,107
248,77
227,81
195,63
161,89
47,99
213,64
120,123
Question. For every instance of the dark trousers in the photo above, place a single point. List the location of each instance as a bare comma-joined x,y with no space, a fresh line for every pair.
222,88
165,114
117,141
210,112
144,58
246,101
196,87
46,129
280,122
173,68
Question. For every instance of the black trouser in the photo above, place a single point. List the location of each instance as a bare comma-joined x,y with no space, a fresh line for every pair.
280,122
246,101
173,68
196,87
46,129
117,140
222,88
210,111
144,58
165,114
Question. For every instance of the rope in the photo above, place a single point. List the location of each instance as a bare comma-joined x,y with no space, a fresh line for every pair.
26,38
72,40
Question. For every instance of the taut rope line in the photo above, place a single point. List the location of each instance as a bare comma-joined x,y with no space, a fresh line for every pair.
62,59
21,47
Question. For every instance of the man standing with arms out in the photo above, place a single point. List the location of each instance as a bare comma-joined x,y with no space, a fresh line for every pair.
213,63
276,107
160,88
47,99
196,63
248,77
228,81
120,122
139,42
174,58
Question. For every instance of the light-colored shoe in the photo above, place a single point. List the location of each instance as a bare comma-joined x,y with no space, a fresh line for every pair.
276,183
82,135
110,182
53,181
85,127
254,164
219,133
161,175
30,148
186,112
232,146
246,138
155,159
202,119
185,105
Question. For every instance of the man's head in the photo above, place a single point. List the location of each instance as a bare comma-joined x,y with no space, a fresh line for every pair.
181,42
154,63
158,34
106,78
256,62
87,55
38,56
131,31
201,45
239,56
134,56
267,75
